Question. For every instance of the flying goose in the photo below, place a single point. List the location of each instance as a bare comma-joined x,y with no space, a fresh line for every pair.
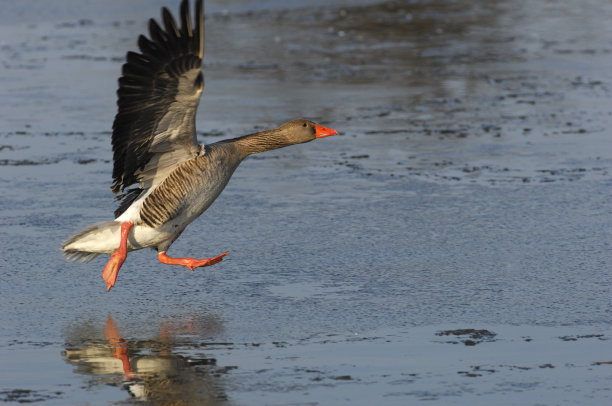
174,179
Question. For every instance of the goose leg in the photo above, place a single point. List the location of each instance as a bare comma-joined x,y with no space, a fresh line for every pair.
190,263
109,274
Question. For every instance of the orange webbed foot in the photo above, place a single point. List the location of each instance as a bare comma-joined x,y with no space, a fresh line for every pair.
109,274
191,263
111,270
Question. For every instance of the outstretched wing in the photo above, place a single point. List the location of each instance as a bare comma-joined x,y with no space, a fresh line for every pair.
159,92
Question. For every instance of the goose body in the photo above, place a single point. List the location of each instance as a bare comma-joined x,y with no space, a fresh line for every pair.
160,215
173,179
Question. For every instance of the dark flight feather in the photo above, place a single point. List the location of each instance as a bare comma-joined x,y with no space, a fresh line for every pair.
160,84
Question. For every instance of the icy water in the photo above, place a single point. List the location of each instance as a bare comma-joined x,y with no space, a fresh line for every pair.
451,246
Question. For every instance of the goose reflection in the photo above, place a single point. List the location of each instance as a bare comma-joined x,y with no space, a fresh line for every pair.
151,370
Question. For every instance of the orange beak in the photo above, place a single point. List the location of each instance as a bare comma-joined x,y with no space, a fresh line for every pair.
324,131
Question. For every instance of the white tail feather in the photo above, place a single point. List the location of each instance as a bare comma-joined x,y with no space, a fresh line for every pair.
99,238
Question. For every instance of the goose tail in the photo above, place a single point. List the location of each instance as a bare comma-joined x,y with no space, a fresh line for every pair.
87,244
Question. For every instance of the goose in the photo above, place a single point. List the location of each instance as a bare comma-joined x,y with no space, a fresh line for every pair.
162,177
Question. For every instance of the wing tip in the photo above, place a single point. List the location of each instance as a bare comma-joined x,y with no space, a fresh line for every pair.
167,35
200,26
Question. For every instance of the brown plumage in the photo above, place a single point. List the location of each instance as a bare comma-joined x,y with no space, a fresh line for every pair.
155,149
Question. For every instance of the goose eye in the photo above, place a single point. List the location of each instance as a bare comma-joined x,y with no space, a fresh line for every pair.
304,125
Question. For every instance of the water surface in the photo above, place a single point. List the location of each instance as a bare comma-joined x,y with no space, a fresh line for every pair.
451,246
